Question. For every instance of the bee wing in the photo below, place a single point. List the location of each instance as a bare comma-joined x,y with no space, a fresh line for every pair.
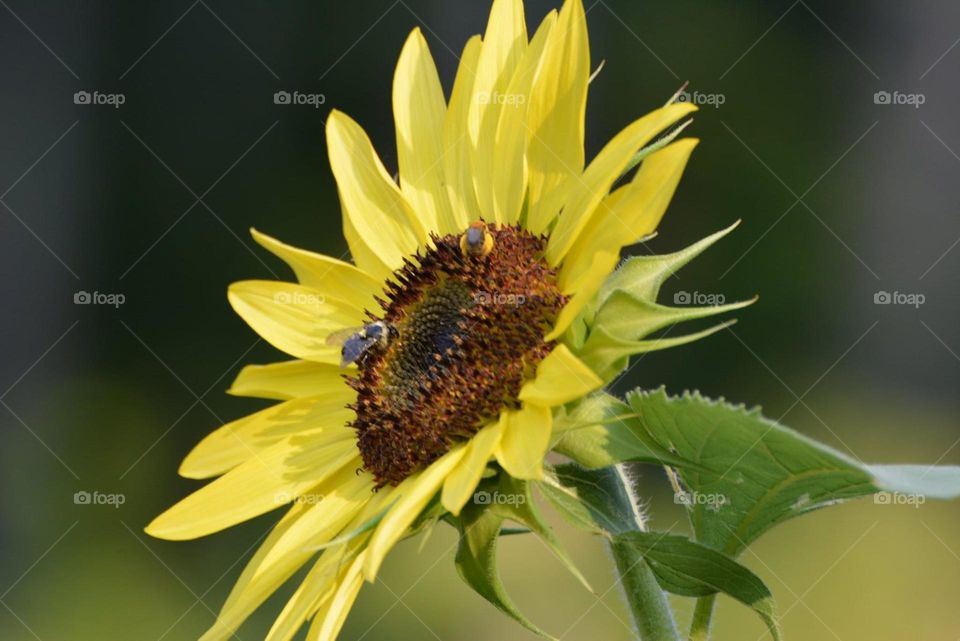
341,336
354,348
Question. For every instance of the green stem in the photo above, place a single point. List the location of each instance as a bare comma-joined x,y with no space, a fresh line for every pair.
700,626
649,606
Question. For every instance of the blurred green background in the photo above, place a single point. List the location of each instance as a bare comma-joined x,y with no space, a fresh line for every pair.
842,197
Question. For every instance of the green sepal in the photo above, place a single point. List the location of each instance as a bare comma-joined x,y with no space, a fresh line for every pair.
590,500
629,317
643,276
608,355
601,430
363,528
656,145
625,311
480,526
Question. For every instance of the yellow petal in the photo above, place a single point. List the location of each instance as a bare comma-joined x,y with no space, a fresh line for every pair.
293,318
577,263
584,194
503,45
327,275
262,483
555,116
510,169
377,210
456,141
321,513
414,493
363,253
287,380
231,616
633,211
340,604
419,110
318,586
585,288
317,589
561,378
322,417
462,481
524,442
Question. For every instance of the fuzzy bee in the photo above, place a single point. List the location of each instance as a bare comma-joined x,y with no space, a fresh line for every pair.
477,241
356,342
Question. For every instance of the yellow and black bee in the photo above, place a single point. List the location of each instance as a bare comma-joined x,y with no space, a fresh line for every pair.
477,241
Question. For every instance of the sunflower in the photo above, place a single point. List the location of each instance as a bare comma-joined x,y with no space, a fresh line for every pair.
444,352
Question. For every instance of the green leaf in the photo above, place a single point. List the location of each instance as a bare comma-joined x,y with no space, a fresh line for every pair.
753,473
690,569
481,524
602,430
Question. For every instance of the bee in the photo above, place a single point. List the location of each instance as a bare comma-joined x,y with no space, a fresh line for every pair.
477,241
356,342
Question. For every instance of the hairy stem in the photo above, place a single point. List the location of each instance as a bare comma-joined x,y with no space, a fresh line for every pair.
649,606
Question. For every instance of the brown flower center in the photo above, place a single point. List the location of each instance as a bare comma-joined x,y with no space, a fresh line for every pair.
468,332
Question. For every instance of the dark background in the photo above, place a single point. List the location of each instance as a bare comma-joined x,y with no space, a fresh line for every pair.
841,198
